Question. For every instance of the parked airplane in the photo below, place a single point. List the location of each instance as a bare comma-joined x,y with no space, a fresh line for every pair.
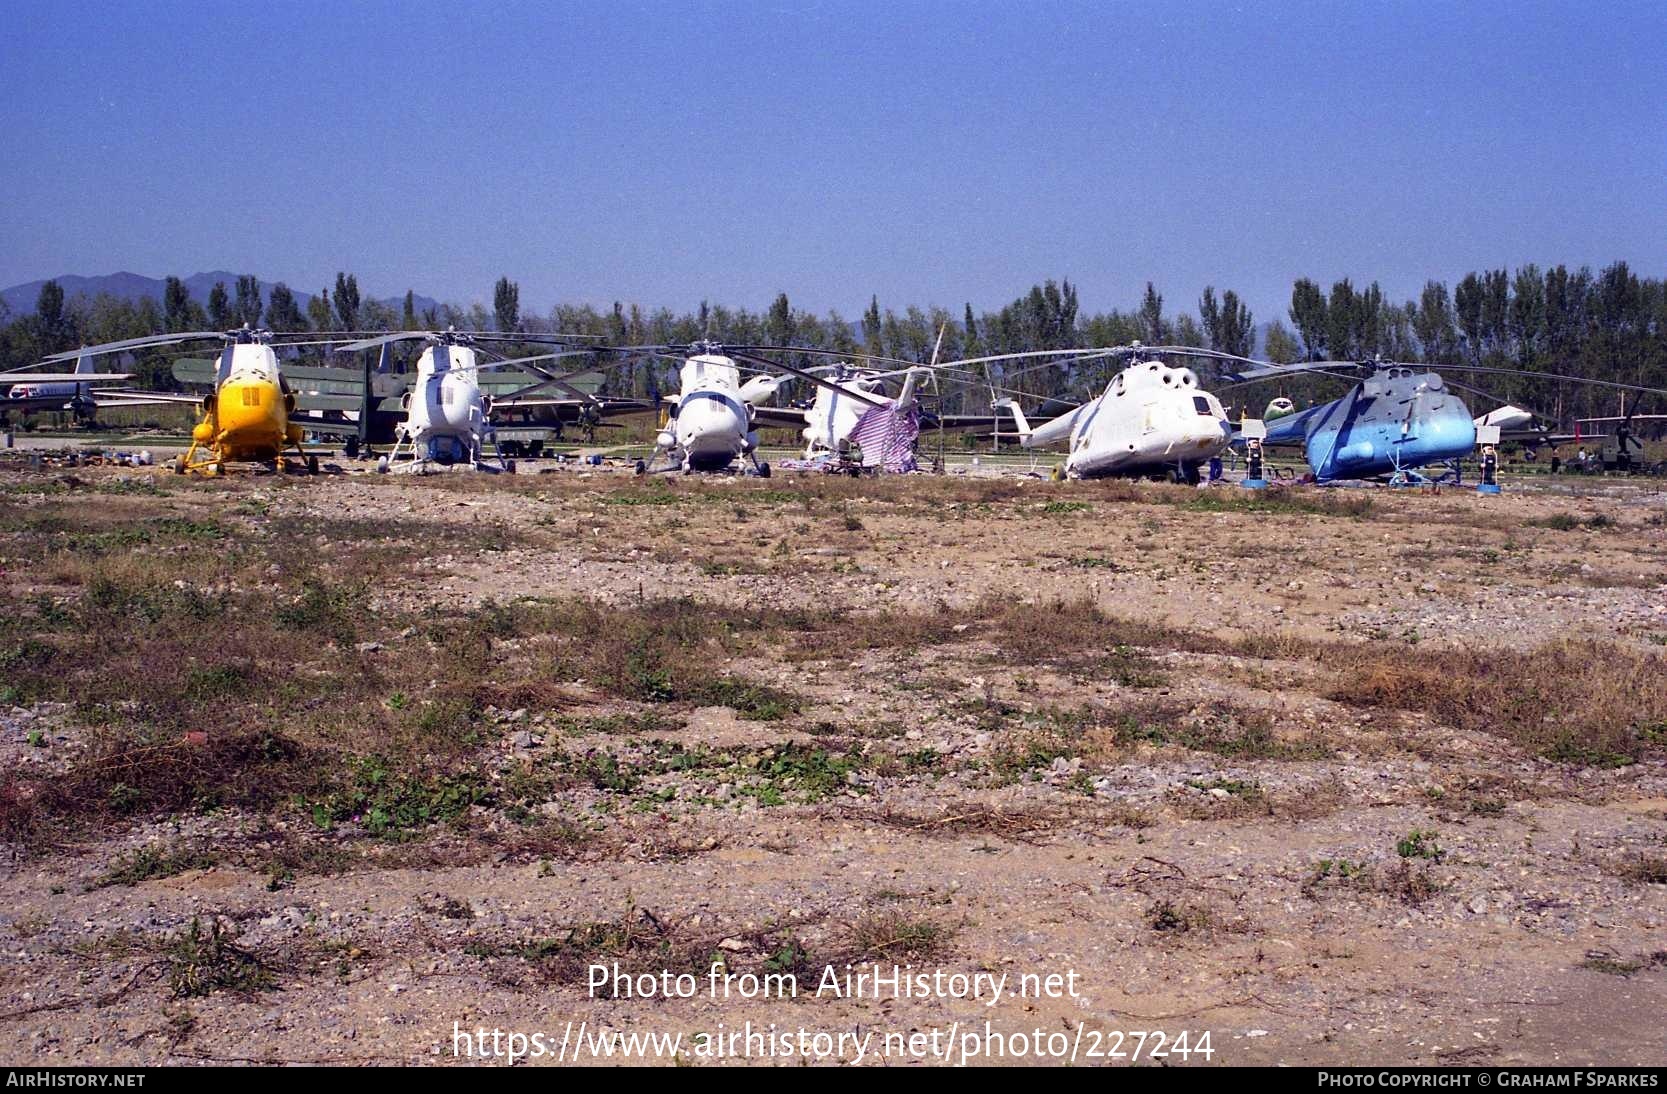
75,392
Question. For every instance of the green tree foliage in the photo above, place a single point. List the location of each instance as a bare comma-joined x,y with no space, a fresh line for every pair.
1227,324
1342,322
1433,323
179,311
1308,314
1467,308
779,326
319,312
247,311
973,346
872,326
1282,346
347,301
219,307
506,304
282,311
408,315
1153,328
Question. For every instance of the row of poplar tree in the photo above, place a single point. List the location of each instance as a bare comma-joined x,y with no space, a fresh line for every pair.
1609,325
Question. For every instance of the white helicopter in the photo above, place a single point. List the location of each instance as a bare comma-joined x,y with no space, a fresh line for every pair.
714,413
834,417
711,422
1152,419
447,417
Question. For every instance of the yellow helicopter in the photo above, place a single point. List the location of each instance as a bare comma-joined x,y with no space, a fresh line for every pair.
246,417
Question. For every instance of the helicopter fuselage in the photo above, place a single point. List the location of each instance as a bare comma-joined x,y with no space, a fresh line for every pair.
712,424
1396,420
1150,418
250,407
445,411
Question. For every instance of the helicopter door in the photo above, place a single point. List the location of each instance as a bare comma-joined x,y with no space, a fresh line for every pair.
1150,414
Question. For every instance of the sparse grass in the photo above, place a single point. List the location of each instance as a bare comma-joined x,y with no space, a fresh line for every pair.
327,609
1588,703
1178,918
153,861
1099,735
391,802
1316,502
1642,868
202,962
1419,843
1570,522
1615,965
125,773
804,771
637,942
1406,882
895,935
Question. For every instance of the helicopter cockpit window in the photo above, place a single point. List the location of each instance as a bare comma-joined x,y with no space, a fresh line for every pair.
1202,406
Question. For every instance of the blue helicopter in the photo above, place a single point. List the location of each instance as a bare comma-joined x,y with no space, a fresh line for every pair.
1395,423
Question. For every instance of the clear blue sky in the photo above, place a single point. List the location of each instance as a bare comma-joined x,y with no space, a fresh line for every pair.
932,153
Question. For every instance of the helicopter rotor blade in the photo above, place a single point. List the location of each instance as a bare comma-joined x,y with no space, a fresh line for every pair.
819,381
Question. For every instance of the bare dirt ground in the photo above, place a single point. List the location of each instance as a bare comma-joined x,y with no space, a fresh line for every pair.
312,770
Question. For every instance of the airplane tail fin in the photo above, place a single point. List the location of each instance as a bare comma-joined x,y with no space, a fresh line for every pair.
1018,415
84,364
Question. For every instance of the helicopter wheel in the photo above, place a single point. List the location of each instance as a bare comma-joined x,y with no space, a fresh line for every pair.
179,465
351,448
764,470
509,466
641,468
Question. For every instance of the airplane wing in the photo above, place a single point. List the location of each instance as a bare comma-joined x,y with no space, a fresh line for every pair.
978,423
1534,437
135,397
195,370
779,417
543,408
7,378
334,426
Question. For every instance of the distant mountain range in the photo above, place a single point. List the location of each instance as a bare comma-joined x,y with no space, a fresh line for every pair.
131,286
